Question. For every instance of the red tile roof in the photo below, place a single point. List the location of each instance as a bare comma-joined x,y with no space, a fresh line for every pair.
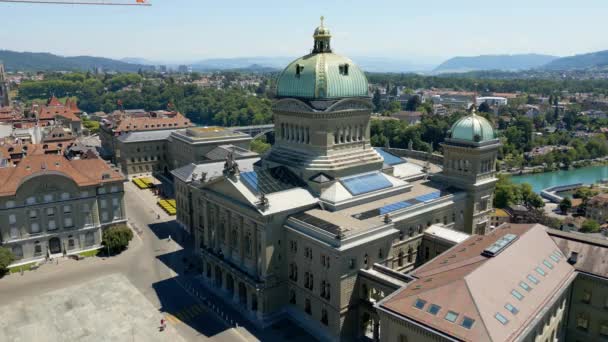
464,281
84,172
55,108
131,124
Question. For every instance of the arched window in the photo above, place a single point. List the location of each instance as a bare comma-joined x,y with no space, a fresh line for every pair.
248,247
400,259
410,254
234,238
37,248
336,136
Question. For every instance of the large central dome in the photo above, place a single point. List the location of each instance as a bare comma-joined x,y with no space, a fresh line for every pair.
322,74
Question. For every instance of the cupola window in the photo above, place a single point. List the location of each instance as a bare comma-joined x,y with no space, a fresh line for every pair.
343,69
299,69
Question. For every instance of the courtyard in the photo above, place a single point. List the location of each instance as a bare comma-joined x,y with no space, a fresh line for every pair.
108,308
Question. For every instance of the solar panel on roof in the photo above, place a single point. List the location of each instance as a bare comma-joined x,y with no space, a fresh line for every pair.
389,158
369,182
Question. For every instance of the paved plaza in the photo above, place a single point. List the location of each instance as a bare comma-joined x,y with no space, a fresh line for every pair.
108,308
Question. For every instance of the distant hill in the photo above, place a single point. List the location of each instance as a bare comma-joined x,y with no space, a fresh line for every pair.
584,61
494,62
241,63
42,61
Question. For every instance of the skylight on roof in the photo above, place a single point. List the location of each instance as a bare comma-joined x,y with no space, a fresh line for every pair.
554,258
540,271
499,245
419,303
511,309
517,294
467,322
533,279
451,316
525,286
434,309
362,184
502,319
548,264
389,158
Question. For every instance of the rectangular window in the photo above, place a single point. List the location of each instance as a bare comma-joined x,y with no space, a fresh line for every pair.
14,232
115,202
102,204
511,309
85,207
12,219
33,214
604,329
30,200
434,309
65,196
34,228
586,297
101,191
10,204
467,322
84,194
52,225
554,258
451,316
48,198
114,188
67,209
548,264
517,295
67,222
104,216
502,319
533,279
419,303
582,322
50,211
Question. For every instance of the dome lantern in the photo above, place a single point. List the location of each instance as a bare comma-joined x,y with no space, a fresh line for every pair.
322,38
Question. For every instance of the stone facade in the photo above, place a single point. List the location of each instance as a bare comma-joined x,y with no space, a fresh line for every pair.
58,213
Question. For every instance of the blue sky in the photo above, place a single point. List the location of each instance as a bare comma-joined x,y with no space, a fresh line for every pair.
421,31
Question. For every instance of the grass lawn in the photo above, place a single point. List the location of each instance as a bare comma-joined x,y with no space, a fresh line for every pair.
89,253
25,267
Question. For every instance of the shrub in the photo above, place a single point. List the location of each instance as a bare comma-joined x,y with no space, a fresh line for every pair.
116,238
6,258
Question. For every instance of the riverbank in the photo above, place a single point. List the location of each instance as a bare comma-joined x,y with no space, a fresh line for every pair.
542,169
585,175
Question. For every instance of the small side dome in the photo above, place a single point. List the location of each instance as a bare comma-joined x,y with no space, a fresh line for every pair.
472,128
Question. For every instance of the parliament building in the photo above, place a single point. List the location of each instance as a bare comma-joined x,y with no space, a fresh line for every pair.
355,242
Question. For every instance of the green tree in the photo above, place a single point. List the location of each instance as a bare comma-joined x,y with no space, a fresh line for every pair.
413,103
565,205
484,107
590,226
6,258
505,193
116,238
393,107
377,100
260,145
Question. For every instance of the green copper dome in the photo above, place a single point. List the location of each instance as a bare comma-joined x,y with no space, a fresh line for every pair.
322,74
473,128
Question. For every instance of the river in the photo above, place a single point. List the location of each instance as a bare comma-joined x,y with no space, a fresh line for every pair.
585,175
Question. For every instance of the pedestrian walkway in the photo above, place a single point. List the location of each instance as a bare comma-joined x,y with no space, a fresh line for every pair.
186,314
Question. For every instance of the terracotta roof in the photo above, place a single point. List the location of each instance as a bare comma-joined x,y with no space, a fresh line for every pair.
55,108
85,172
131,124
599,199
471,284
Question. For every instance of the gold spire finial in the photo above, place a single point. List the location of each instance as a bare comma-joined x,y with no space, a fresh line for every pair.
322,20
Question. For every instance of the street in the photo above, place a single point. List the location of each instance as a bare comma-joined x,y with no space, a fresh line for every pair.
152,264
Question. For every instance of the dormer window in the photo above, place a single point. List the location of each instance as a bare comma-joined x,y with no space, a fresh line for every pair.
299,69
343,69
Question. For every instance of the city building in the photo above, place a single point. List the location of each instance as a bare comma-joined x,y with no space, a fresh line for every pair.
56,113
135,140
53,205
4,94
597,208
412,118
588,303
492,100
498,217
298,231
510,285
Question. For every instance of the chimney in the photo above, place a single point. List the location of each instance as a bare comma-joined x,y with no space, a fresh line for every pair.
573,258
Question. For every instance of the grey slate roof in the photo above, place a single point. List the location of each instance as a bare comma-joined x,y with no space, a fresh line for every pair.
213,169
145,136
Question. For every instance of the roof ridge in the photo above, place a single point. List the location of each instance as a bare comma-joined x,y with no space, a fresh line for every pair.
485,327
